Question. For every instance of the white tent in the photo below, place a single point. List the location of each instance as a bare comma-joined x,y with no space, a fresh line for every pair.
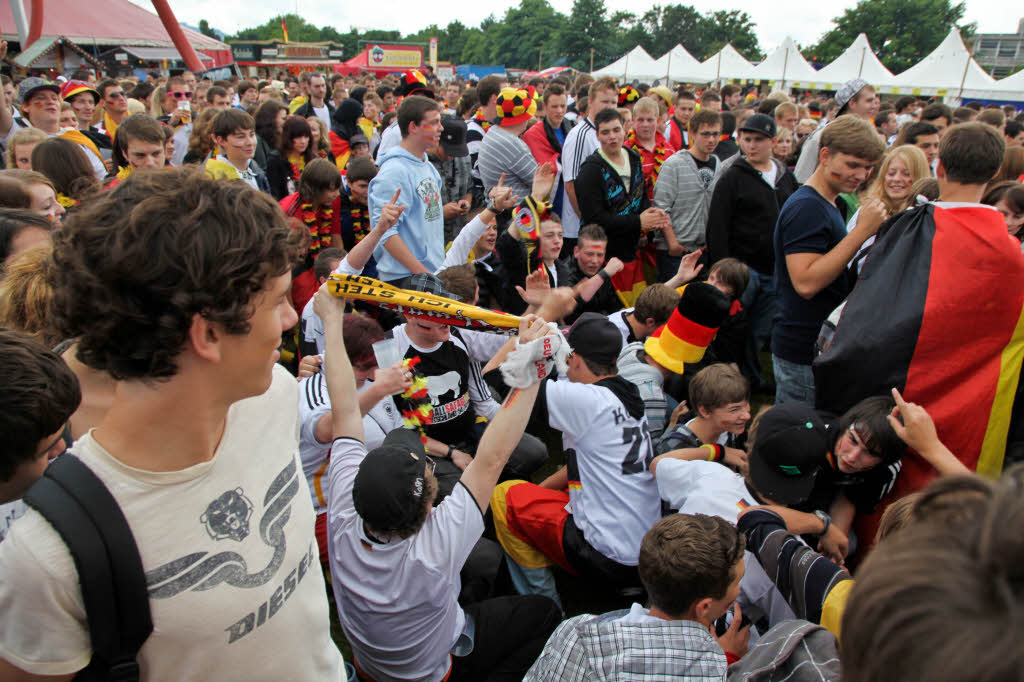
634,65
727,64
949,71
784,65
856,61
679,65
1010,88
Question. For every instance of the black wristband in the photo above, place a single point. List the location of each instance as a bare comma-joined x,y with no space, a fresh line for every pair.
451,449
604,274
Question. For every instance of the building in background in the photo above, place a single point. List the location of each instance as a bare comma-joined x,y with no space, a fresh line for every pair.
999,53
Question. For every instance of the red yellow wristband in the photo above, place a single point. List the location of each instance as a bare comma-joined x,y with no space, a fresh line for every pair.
716,450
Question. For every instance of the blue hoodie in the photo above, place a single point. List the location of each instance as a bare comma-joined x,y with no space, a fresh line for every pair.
421,225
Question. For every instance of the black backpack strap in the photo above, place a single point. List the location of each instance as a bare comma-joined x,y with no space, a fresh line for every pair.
87,517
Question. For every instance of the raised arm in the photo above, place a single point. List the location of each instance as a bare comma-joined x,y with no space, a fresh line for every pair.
505,430
915,427
356,259
6,119
346,420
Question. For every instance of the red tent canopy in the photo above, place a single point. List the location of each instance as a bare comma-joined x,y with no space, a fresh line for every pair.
111,23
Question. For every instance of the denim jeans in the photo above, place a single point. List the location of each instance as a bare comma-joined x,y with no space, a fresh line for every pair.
761,305
793,382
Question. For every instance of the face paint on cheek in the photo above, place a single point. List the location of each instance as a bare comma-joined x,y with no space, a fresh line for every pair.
835,176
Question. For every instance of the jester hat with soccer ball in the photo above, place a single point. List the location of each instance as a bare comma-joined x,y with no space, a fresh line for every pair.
515,105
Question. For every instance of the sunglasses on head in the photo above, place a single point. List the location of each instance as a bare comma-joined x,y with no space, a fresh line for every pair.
177,94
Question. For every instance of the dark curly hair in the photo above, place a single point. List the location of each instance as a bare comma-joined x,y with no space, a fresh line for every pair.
137,263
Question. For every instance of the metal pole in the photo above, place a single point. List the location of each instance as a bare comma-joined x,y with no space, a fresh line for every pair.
785,63
591,59
963,79
863,55
188,54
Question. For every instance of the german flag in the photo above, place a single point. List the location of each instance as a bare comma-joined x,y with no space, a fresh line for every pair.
937,313
284,29
634,277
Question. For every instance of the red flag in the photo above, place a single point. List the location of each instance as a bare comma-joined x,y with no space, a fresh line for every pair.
284,29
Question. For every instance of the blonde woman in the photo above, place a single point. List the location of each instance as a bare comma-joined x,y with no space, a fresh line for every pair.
20,145
900,170
782,147
156,109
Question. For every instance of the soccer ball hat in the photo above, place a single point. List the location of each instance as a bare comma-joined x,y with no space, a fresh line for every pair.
628,95
516,105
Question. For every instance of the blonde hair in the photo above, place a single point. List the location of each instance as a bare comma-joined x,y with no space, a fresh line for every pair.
785,108
807,123
22,136
646,105
135,107
916,163
26,292
156,101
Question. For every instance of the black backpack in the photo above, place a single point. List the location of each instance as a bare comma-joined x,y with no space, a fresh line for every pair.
87,517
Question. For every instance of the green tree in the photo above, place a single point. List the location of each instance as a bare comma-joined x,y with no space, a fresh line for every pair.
204,28
519,39
662,28
727,26
900,31
299,30
587,29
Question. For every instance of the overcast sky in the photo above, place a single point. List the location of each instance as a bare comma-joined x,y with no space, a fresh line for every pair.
804,21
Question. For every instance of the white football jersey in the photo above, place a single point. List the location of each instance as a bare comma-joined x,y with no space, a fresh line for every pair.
613,495
314,403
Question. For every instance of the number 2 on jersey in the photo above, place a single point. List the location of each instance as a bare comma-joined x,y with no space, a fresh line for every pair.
637,437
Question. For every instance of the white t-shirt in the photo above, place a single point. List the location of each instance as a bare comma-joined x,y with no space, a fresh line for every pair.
391,137
613,509
618,318
323,114
580,143
710,488
313,327
228,547
398,602
9,513
638,614
770,175
314,403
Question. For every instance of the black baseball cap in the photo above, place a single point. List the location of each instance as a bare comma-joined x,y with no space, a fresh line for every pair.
594,337
453,137
759,123
389,486
790,447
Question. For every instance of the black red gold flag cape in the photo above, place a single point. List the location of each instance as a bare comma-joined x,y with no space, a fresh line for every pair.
936,312
427,306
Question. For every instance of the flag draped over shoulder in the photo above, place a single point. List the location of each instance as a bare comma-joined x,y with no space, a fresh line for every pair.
936,313
634,277
427,306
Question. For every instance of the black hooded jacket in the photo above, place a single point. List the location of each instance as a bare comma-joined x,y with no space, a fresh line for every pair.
743,213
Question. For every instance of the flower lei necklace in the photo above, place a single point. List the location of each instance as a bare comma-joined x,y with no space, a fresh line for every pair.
420,411
661,153
318,222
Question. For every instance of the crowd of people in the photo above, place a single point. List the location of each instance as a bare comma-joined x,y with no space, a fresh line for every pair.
263,452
